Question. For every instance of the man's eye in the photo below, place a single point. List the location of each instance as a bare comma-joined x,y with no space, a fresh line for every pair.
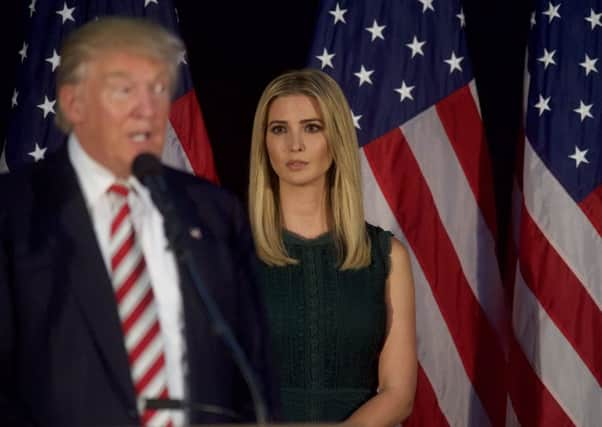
122,90
159,88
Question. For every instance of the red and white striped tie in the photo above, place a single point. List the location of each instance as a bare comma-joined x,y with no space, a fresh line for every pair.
137,311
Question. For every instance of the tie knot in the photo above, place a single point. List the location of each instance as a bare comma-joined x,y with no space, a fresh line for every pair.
119,190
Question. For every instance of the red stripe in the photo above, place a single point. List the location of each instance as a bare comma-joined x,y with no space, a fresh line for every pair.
148,337
187,121
127,284
464,128
150,374
426,411
592,207
561,294
119,218
149,413
137,312
123,251
407,193
532,402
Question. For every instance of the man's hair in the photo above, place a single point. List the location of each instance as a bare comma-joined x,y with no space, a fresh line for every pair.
114,34
343,192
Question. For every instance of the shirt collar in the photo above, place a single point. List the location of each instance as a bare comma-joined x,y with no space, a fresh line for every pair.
94,178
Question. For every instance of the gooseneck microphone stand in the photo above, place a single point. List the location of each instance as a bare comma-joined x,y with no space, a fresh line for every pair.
147,168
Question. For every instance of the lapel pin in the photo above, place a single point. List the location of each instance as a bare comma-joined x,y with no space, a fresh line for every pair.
196,233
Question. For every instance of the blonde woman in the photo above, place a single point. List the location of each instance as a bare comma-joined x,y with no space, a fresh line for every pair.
339,291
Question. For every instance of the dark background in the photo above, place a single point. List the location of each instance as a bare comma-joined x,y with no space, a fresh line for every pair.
236,47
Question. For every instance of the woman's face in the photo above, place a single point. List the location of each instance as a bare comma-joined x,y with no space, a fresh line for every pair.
296,142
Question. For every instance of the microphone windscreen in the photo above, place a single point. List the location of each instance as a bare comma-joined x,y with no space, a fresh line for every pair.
146,164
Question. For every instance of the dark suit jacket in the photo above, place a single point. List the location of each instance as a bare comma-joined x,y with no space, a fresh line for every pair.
62,357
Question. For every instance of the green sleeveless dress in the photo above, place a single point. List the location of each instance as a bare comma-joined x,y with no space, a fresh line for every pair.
328,327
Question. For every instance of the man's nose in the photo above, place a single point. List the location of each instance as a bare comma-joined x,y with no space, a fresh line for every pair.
146,104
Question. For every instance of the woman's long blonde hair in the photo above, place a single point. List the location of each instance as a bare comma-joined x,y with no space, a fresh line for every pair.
344,190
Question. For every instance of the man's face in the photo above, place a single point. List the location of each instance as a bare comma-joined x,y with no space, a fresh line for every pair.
120,108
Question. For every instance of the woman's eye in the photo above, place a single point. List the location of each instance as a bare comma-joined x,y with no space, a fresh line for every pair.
313,128
278,129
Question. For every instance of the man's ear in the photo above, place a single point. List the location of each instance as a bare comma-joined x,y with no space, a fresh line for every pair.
71,102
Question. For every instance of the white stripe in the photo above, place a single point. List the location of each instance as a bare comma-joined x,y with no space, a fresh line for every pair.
159,419
473,90
554,360
3,165
563,223
132,299
459,213
150,354
127,265
511,418
437,353
156,384
121,234
173,152
140,328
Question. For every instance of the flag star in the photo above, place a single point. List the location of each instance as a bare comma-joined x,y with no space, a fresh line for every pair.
584,110
552,12
405,91
462,18
454,62
543,104
547,58
47,106
579,156
416,47
23,51
339,14
182,58
364,75
356,120
147,2
533,19
14,101
426,5
376,30
589,64
326,59
55,59
38,153
66,13
32,8
594,19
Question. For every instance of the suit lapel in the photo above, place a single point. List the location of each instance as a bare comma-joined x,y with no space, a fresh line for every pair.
90,281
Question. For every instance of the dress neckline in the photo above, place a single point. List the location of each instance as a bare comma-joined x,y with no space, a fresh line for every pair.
294,238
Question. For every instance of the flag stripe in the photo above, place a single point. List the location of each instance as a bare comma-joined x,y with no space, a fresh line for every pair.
462,123
392,161
461,405
532,402
541,266
458,211
592,208
555,212
426,404
546,348
187,121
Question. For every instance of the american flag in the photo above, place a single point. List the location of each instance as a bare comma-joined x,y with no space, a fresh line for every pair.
404,68
556,354
31,132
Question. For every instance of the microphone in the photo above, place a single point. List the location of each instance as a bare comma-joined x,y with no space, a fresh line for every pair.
149,171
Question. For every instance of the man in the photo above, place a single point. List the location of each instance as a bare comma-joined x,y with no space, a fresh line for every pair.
95,314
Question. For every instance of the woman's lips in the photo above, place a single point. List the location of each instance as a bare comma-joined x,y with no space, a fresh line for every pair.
296,164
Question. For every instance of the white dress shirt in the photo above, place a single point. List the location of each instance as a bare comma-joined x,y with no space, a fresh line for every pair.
95,180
